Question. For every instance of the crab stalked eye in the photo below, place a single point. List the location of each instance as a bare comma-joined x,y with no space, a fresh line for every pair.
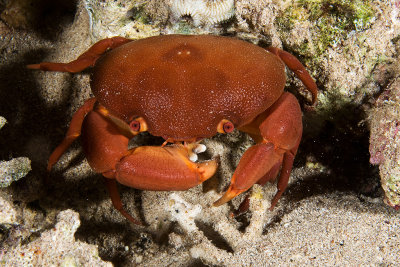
225,126
228,127
135,126
138,125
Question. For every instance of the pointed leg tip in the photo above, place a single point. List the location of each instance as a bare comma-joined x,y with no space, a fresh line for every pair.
33,66
229,195
131,219
219,202
139,223
50,165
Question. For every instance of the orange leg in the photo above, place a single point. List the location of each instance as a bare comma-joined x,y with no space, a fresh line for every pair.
116,200
74,131
295,65
87,59
280,128
287,165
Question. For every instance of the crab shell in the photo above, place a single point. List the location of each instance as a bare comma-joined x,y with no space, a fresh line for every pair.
183,86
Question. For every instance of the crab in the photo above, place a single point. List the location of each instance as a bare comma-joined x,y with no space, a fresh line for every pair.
185,88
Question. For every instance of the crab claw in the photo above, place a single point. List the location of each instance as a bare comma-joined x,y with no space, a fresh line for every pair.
163,168
253,166
279,130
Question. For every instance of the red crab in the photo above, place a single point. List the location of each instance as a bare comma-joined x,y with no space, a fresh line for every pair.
185,88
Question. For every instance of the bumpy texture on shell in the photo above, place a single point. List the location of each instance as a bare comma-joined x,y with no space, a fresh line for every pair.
183,86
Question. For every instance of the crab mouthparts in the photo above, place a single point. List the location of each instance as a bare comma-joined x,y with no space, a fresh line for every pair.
192,145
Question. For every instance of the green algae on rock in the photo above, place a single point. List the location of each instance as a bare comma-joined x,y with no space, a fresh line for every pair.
119,18
334,20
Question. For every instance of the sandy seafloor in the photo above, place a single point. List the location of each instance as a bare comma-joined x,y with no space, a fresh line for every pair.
331,214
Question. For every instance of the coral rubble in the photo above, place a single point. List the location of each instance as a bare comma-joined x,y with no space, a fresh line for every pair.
3,121
14,169
119,18
55,247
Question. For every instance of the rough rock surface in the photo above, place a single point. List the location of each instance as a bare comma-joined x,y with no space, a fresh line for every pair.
54,247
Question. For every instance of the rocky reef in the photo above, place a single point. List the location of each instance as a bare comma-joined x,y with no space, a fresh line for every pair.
385,141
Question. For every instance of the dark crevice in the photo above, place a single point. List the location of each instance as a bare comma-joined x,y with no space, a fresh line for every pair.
48,18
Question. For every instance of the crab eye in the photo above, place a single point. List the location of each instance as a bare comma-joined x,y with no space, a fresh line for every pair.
138,125
135,125
228,127
225,126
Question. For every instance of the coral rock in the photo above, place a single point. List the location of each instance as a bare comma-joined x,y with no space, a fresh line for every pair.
203,12
13,170
55,247
385,141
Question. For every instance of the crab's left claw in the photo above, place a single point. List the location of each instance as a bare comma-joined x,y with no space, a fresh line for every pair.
163,168
279,129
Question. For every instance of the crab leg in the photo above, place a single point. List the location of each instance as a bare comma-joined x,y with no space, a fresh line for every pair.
280,128
85,60
295,65
74,132
116,200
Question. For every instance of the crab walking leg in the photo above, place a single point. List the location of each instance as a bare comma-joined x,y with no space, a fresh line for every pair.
73,132
295,65
146,167
116,200
287,165
85,60
281,128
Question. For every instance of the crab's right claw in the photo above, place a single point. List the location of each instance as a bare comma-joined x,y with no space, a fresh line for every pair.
279,129
255,163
